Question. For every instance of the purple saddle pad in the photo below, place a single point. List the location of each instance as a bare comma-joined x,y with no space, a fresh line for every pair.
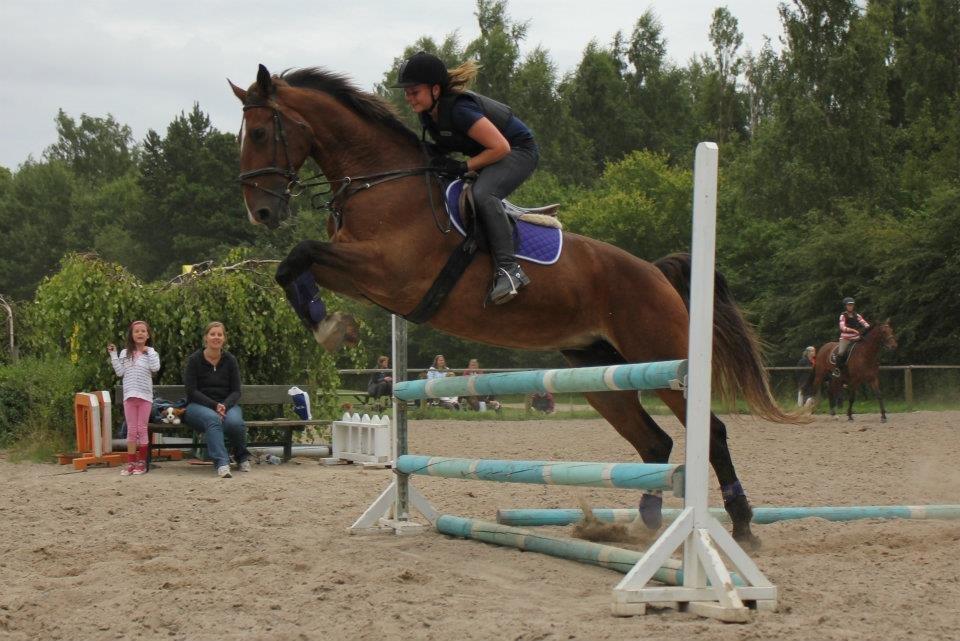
535,243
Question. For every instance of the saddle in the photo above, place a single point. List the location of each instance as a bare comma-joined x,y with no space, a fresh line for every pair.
835,359
534,242
538,234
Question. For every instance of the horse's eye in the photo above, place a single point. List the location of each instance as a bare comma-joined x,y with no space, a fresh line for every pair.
258,135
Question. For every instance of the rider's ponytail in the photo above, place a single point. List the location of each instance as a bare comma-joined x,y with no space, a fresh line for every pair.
461,77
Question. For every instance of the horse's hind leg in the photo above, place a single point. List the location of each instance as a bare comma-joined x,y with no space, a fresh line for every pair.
624,412
851,394
734,498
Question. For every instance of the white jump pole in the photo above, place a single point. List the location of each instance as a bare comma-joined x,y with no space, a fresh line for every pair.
700,535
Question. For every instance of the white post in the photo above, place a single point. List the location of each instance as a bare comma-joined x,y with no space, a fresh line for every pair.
399,349
700,535
400,495
700,351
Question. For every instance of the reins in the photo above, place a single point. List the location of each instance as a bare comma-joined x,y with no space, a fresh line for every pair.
339,189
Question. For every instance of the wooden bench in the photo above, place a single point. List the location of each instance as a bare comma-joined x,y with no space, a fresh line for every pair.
271,395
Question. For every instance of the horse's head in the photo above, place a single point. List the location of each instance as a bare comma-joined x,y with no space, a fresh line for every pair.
275,141
885,329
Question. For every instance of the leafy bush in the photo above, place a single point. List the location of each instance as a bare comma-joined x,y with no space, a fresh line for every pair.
90,303
36,399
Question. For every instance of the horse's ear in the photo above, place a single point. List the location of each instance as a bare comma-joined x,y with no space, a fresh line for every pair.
264,82
241,94
887,322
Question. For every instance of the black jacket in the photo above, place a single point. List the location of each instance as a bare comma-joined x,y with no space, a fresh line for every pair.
209,385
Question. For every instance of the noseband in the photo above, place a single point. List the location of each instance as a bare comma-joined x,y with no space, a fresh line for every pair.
279,139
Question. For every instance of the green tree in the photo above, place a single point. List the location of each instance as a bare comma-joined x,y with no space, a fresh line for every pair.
762,72
722,107
596,93
496,49
640,204
35,210
95,149
188,178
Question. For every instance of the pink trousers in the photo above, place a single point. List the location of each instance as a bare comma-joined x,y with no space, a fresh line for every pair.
137,413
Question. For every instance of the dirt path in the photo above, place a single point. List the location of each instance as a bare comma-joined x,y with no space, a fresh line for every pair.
178,554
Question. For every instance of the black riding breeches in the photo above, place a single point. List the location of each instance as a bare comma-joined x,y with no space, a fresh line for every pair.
493,184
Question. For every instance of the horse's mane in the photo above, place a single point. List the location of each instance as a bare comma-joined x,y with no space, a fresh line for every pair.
368,105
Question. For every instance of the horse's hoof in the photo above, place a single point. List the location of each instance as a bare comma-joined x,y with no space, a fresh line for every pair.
883,419
849,418
747,540
336,330
741,514
651,510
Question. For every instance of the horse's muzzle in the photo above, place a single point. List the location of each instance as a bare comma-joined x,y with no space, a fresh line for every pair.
265,216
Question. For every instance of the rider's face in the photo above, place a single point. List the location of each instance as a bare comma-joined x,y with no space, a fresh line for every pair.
850,307
421,97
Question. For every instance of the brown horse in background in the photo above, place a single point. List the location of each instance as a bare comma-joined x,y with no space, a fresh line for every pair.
862,367
598,305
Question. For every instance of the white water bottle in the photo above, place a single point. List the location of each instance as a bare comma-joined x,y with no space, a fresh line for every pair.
273,459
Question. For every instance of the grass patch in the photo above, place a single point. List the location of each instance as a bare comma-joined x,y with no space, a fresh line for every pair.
39,445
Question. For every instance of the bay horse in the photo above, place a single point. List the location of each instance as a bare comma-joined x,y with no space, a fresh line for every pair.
598,305
862,368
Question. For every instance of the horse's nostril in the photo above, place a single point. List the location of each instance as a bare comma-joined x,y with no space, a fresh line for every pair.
262,214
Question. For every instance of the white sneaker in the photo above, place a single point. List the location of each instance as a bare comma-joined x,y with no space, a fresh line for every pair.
224,472
245,466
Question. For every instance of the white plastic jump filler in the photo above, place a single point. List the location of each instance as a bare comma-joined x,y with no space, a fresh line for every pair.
708,589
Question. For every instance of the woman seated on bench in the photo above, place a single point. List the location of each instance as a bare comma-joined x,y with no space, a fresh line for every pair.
212,381
381,383
439,369
476,403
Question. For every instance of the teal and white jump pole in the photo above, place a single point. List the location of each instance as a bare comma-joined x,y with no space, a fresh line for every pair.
522,517
635,376
637,476
605,556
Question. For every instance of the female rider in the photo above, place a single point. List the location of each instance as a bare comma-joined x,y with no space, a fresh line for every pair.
499,147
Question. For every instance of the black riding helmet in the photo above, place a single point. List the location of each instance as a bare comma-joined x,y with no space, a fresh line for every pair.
422,68
848,301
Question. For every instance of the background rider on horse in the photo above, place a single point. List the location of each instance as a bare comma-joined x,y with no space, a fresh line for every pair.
501,149
852,328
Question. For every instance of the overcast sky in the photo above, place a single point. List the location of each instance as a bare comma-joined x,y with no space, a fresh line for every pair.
144,62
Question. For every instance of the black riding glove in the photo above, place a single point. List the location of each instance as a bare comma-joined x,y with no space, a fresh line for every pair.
449,166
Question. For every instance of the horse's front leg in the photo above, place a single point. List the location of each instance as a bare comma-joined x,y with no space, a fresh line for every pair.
851,395
337,262
875,386
309,264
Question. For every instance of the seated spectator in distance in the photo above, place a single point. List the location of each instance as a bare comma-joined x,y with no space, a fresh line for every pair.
474,402
542,402
439,369
381,383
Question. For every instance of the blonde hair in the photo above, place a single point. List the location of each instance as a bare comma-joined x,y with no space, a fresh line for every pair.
460,78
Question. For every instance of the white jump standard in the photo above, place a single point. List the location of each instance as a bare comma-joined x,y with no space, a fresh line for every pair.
707,587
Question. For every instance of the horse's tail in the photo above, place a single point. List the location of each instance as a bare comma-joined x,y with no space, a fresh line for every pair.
738,370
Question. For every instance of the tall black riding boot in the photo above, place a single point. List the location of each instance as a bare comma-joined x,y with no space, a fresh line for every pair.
508,277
